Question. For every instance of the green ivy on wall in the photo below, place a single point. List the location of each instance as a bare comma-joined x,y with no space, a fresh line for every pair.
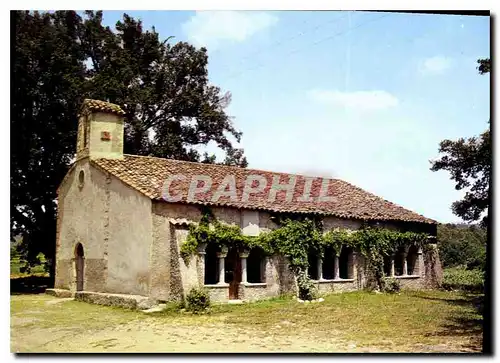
296,237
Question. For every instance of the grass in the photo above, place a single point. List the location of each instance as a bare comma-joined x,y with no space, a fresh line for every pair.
436,321
370,319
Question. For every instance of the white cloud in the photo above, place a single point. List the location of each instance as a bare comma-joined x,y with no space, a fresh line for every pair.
211,28
367,100
435,65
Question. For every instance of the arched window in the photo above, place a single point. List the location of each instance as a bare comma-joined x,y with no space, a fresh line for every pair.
211,264
346,263
412,261
312,257
79,251
256,266
81,178
328,263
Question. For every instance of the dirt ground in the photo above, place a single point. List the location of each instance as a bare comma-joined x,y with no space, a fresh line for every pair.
41,323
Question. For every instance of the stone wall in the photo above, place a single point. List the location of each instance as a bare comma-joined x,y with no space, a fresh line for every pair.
218,293
432,271
410,282
330,286
254,292
174,281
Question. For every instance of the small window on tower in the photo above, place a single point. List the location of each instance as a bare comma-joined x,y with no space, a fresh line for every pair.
81,178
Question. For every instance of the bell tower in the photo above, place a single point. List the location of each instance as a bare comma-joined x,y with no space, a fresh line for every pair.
100,131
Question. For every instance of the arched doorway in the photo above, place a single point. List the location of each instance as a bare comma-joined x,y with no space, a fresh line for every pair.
79,266
233,273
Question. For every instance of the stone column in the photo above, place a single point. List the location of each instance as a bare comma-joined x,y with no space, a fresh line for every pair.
418,262
392,273
336,267
320,269
405,263
222,255
352,266
201,263
263,269
244,256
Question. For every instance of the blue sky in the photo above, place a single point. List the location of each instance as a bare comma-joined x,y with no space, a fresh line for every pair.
365,97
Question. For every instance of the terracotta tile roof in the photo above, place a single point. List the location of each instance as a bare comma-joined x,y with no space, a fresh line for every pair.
101,106
148,174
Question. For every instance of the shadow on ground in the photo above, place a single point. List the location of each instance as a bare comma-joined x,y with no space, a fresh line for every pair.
29,285
464,323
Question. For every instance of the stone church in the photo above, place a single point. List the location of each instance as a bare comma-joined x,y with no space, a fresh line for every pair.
118,234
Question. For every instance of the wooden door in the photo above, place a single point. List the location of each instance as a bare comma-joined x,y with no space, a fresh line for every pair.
79,266
233,273
79,273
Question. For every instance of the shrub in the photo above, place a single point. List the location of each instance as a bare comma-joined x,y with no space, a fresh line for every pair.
478,261
307,290
459,278
197,300
392,285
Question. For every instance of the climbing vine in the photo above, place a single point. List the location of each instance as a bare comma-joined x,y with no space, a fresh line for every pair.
296,237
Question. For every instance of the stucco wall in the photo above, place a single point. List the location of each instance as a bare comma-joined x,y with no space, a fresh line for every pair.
265,222
113,223
82,213
334,222
111,123
159,285
129,240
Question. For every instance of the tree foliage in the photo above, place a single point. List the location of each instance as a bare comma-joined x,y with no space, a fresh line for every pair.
469,163
484,65
163,87
462,245
59,59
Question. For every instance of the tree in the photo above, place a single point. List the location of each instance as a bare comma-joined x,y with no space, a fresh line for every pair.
48,72
164,90
484,65
61,58
461,245
469,162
